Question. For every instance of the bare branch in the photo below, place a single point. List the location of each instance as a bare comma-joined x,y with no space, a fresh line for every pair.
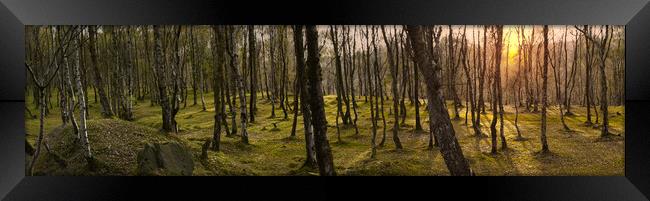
31,71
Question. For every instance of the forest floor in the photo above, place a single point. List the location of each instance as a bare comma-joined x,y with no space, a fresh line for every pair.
272,151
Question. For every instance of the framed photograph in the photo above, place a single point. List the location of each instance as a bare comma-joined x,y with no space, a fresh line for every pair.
507,100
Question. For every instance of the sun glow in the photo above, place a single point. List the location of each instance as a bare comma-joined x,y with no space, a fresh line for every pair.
511,43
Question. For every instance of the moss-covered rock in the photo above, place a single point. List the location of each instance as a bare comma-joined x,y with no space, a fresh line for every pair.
147,160
169,158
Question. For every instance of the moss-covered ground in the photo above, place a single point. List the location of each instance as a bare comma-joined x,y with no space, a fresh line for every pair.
272,151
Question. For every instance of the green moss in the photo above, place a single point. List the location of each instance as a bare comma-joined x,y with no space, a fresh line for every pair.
272,152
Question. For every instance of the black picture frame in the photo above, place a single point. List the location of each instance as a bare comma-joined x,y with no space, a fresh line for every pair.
15,14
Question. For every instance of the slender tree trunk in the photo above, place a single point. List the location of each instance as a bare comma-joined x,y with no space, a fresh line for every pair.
41,130
128,105
83,131
352,70
544,88
604,48
323,151
416,96
310,161
283,57
103,99
218,57
195,73
379,99
556,76
405,76
272,73
393,69
483,67
480,74
504,144
340,91
69,91
470,84
347,82
239,81
572,80
162,82
197,79
452,73
252,62
499,90
63,90
296,105
176,77
495,93
451,150
371,93
588,76
518,83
